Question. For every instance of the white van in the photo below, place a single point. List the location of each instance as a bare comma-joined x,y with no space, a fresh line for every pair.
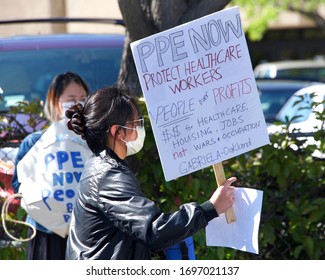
311,70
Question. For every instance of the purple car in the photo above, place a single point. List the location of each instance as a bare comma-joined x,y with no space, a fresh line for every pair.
28,63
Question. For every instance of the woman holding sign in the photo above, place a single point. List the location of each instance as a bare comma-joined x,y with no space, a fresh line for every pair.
64,91
112,218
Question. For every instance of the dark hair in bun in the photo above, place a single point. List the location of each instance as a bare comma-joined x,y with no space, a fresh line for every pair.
76,122
106,107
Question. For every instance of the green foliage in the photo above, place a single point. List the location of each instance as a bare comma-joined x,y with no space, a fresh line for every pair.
258,18
260,13
13,132
13,129
12,249
293,184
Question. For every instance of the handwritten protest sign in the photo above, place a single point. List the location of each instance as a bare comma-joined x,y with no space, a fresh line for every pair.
201,95
49,175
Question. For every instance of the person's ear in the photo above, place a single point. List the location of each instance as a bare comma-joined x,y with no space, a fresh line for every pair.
115,131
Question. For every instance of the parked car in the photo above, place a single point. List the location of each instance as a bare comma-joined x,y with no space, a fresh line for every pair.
303,117
310,70
28,63
274,93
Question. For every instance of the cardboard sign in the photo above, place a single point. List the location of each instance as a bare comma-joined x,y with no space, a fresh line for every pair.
49,175
201,95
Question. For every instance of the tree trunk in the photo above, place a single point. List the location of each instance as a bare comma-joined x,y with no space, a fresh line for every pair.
146,17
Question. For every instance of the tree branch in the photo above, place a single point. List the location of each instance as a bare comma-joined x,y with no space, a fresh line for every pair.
313,15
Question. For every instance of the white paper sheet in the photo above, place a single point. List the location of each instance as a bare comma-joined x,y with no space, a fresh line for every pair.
242,234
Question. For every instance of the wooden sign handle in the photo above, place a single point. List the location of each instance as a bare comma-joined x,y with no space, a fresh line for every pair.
221,178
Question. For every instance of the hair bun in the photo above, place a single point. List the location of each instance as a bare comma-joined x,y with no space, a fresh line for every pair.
75,116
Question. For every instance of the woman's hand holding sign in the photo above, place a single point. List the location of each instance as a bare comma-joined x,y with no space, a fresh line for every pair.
223,198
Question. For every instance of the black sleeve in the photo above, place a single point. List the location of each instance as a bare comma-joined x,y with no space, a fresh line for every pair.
127,207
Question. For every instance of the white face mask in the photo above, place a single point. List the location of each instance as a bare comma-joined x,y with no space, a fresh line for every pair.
133,147
67,105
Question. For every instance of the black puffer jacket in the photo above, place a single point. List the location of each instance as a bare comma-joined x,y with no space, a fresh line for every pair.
112,219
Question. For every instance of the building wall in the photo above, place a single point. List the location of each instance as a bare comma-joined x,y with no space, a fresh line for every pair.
22,9
26,9
94,8
17,9
287,38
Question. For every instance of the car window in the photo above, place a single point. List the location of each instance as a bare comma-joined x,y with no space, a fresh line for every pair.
309,70
313,74
297,106
26,75
273,100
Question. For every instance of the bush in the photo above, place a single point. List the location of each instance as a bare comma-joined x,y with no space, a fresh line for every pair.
293,212
12,133
12,249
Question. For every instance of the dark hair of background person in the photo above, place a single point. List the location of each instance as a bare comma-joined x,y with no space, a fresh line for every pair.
111,105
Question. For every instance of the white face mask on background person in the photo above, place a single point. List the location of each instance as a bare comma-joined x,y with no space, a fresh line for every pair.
67,105
134,146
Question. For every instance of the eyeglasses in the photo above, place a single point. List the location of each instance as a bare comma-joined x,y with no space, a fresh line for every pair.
139,122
